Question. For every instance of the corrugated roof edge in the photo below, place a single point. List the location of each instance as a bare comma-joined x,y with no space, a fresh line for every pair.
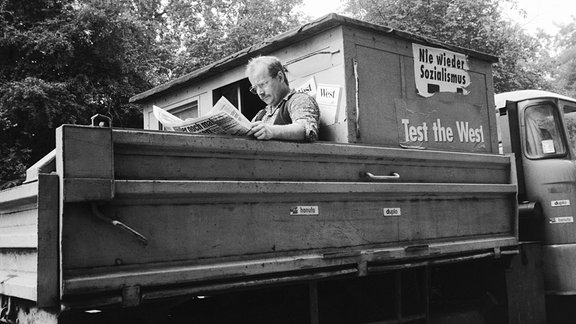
323,23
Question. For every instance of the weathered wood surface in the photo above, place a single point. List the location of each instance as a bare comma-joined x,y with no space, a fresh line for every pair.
138,155
49,275
206,229
85,153
210,221
141,155
29,241
217,209
18,241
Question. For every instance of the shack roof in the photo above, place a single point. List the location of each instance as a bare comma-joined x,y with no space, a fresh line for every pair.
282,40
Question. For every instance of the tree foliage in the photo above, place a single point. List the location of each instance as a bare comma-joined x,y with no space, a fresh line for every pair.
476,25
564,68
212,29
62,61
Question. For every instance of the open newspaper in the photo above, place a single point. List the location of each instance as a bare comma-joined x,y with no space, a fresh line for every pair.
222,119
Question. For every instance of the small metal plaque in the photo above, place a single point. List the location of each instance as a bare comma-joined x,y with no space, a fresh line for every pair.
392,212
560,203
561,220
304,211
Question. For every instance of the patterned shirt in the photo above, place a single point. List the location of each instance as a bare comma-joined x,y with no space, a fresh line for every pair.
302,109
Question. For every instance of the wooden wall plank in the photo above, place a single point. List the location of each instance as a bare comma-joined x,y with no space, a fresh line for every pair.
177,274
19,262
18,240
48,280
200,225
127,188
21,195
138,155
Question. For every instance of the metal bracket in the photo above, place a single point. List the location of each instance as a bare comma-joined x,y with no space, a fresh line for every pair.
141,238
131,296
497,252
99,120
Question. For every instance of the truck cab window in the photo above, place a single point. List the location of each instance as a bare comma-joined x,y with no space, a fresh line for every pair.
543,136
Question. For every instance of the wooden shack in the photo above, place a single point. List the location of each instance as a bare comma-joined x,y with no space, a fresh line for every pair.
375,85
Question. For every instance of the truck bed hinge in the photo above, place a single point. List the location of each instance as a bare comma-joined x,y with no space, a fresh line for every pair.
497,252
131,296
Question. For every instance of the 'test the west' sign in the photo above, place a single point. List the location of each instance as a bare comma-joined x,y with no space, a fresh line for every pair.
463,132
443,125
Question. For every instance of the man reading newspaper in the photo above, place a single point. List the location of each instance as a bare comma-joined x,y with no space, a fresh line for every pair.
289,115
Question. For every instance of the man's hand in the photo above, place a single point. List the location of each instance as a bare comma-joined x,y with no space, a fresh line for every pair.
262,131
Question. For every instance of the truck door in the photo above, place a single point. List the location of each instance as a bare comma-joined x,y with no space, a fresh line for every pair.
549,175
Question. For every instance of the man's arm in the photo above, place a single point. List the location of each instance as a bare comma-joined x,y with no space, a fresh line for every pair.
304,111
292,132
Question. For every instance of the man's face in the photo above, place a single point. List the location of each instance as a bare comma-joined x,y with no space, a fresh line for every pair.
269,89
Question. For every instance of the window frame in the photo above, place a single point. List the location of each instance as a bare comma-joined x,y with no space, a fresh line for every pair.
181,106
559,125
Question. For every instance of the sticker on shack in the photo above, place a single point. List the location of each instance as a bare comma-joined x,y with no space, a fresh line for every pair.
440,70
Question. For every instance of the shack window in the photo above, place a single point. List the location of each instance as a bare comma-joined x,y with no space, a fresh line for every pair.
188,110
183,110
543,136
238,93
570,123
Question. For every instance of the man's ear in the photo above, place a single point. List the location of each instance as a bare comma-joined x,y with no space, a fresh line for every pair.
282,76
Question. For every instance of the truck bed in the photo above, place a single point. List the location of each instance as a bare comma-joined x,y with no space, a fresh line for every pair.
119,216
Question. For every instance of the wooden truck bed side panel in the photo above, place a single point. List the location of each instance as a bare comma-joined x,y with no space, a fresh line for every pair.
190,157
203,227
49,238
29,241
18,239
247,219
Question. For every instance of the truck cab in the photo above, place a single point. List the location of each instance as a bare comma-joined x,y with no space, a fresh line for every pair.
539,127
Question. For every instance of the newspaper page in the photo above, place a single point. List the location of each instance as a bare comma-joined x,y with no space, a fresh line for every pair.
222,119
